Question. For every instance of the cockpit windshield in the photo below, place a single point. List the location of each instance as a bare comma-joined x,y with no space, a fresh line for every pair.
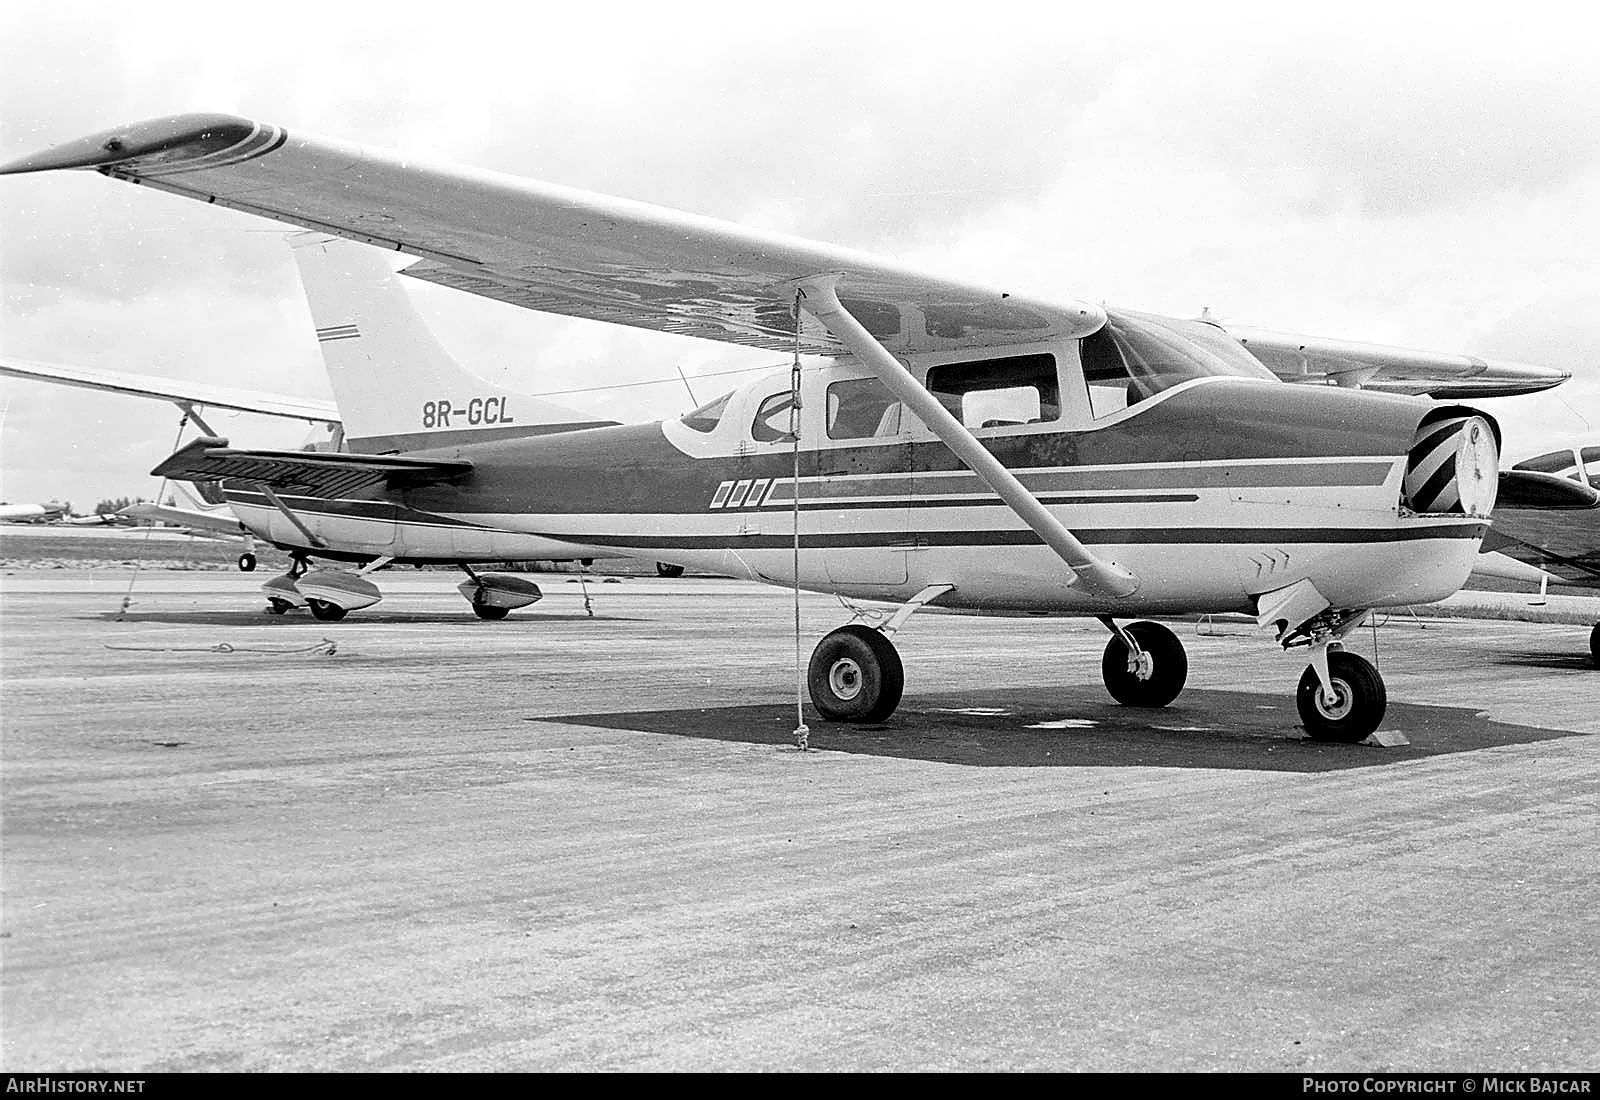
707,416
1136,355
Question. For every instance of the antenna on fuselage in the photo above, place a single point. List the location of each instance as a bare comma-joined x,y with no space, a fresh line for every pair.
695,400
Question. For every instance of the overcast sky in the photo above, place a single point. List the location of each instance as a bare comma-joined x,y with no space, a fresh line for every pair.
1425,176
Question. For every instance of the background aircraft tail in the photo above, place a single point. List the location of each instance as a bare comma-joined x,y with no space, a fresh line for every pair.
396,387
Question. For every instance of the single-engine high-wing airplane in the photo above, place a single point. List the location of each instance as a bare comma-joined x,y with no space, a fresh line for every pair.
963,444
1548,516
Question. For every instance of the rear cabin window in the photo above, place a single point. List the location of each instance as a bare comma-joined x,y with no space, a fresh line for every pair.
999,393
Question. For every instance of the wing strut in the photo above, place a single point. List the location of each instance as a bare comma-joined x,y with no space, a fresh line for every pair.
818,298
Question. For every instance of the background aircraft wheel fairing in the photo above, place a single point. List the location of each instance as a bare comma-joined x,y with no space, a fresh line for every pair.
1146,683
1360,704
855,675
327,591
247,562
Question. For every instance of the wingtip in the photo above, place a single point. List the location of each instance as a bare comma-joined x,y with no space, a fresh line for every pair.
170,139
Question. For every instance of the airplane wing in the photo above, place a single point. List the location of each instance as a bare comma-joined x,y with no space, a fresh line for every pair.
560,250
307,473
1548,514
1391,370
179,393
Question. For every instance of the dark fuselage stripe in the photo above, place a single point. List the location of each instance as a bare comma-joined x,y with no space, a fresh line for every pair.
1144,536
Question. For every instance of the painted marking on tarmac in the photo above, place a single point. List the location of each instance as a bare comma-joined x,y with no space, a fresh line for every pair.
981,712
1065,724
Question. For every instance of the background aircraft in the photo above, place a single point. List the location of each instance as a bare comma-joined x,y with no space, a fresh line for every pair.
1548,516
32,513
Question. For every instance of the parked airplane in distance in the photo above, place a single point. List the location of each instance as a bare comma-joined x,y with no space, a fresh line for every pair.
1548,516
982,448
32,513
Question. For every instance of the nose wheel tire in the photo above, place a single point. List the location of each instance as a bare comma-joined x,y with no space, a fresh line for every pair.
1359,704
1159,680
855,675
325,611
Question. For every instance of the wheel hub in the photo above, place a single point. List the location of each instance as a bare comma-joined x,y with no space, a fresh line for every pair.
844,678
1340,705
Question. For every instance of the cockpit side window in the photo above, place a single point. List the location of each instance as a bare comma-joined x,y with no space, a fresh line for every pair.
707,416
863,408
771,423
1134,357
997,393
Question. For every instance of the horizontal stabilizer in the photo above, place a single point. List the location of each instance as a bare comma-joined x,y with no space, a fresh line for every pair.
306,473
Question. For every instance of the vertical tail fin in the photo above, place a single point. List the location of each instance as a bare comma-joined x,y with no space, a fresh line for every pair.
396,387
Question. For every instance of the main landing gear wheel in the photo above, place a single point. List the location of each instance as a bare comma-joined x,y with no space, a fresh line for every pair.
276,606
325,611
247,562
855,675
1359,704
665,570
489,611
1158,678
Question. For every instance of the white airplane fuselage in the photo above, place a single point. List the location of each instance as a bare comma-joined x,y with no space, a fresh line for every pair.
1211,493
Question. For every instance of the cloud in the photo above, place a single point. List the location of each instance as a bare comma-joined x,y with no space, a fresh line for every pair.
1395,179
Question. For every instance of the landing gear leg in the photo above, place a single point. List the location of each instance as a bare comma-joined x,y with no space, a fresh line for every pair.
1144,664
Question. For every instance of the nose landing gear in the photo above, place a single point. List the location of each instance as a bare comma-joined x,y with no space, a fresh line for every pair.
1341,696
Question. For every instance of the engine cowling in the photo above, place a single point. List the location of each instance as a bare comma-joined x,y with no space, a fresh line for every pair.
1453,464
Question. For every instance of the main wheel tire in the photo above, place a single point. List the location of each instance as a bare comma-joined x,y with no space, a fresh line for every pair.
247,562
276,606
1169,667
665,570
325,611
1362,699
489,611
855,675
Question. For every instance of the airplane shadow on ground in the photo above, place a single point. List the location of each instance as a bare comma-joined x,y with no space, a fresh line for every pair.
1078,727
306,622
1575,659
